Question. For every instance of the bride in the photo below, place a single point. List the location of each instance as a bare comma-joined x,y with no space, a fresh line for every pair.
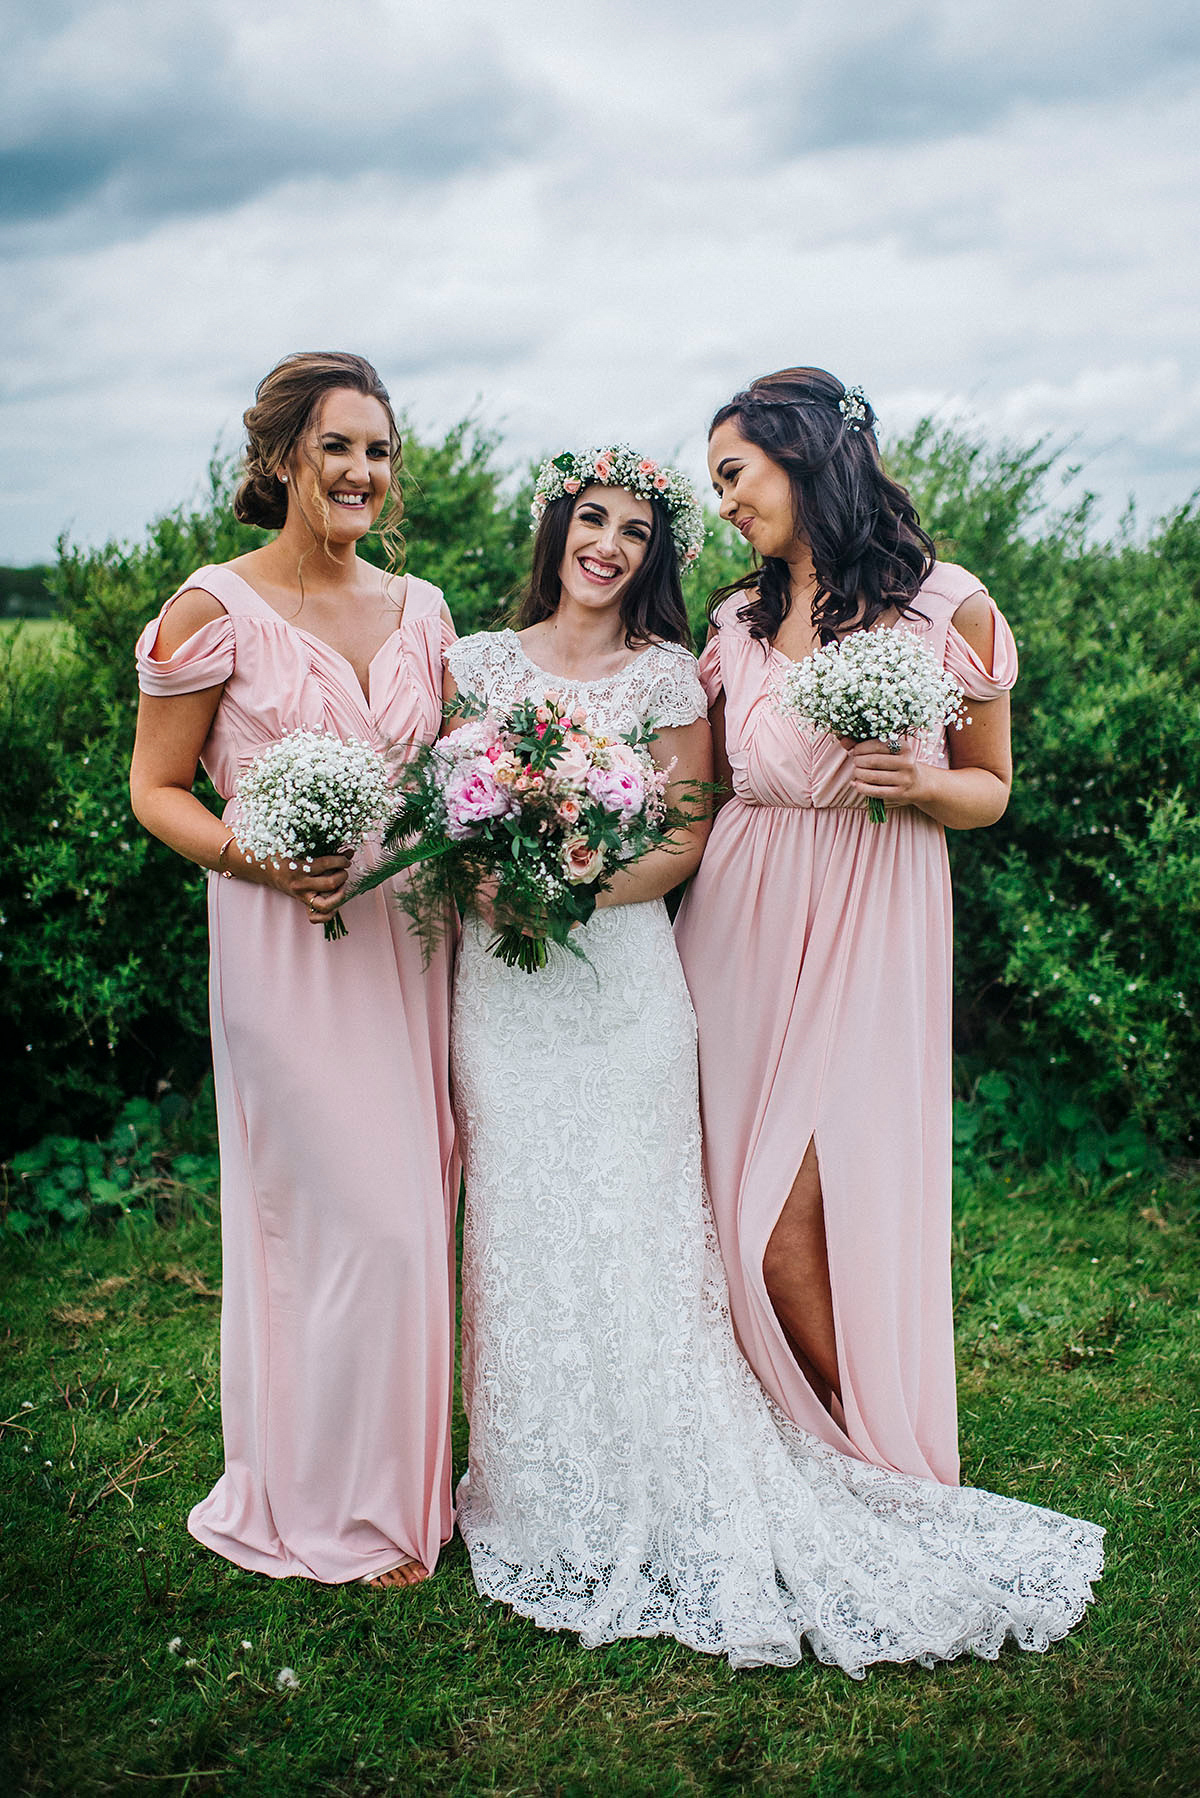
628,1476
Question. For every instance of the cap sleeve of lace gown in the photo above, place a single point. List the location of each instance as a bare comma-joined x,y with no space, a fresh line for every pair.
205,660
965,666
674,694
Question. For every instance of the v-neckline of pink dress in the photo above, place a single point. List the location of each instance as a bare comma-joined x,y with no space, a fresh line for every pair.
312,637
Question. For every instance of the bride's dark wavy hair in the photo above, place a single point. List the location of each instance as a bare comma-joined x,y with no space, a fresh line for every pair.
652,606
868,548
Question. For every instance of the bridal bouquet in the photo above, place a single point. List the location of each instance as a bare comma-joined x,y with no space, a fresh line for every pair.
533,804
881,684
312,794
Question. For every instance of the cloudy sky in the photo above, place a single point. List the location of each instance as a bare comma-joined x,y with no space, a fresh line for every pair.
591,220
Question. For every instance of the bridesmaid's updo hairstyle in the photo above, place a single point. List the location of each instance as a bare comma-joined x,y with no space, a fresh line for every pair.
652,606
286,404
868,548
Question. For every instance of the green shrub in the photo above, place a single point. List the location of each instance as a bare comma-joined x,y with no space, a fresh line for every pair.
1076,916
155,1163
1078,964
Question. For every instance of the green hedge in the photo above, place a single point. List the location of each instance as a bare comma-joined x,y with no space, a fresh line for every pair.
1076,916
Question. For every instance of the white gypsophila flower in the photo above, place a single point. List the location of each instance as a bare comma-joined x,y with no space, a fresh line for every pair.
882,683
309,794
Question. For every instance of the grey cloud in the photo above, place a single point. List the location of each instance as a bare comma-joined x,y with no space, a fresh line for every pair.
196,141
903,82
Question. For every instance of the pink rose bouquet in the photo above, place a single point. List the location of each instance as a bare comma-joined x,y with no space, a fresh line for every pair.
534,805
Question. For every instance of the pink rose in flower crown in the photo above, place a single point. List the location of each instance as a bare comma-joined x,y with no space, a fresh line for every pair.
603,468
646,466
472,795
572,484
620,790
581,864
571,766
662,482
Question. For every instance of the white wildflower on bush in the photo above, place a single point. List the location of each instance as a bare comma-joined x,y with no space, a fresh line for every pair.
312,794
881,684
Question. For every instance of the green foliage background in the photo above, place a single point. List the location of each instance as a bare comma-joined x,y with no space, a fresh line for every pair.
1078,957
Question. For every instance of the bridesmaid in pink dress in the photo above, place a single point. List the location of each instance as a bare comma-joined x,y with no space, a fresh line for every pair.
338,1172
817,945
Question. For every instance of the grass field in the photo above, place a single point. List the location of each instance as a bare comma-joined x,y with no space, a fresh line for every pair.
1078,1343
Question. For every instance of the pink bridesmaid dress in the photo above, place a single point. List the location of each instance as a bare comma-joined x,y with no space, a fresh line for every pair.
817,947
338,1170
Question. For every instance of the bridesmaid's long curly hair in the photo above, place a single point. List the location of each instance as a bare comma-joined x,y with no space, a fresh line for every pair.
286,403
868,548
652,606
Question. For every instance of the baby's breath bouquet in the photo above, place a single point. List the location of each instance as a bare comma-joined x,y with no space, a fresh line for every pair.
881,683
311,794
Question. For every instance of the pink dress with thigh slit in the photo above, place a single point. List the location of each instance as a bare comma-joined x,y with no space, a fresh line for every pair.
338,1169
817,947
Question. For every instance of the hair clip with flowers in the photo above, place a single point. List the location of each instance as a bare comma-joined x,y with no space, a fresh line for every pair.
854,407
620,466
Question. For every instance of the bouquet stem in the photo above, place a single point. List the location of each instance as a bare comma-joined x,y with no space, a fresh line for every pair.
877,811
334,928
516,950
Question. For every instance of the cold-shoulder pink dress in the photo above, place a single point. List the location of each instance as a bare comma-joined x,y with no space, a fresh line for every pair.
338,1171
817,948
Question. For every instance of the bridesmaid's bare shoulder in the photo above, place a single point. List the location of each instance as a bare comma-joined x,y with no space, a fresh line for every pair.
187,613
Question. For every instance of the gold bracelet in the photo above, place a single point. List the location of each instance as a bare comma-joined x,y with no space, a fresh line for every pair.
225,873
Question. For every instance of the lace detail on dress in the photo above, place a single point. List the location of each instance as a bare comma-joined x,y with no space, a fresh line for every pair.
660,684
628,1476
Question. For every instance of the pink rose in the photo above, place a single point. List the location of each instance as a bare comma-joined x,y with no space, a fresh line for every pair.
581,864
646,466
472,795
619,790
662,482
568,811
622,755
572,484
571,765
603,468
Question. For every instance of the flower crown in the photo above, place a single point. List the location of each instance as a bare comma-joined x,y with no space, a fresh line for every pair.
619,466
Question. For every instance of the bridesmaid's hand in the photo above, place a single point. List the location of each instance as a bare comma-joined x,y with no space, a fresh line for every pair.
895,777
318,883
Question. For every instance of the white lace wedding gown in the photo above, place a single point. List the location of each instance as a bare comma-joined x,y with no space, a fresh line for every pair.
628,1476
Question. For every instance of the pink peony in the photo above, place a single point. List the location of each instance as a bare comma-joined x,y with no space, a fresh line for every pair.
619,790
623,755
581,864
472,795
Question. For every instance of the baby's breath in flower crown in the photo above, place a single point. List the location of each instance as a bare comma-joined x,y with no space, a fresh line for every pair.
620,466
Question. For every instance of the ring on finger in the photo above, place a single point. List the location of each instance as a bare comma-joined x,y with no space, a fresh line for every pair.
894,745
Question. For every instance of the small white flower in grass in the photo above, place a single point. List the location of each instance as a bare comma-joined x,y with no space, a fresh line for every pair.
247,1645
191,1663
286,1680
27,1403
175,1644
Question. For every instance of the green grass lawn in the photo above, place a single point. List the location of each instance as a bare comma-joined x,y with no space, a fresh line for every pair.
36,629
1078,1345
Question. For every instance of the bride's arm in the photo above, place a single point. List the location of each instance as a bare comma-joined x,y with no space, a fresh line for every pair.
689,746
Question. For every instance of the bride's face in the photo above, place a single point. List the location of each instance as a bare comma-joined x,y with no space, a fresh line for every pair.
607,540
